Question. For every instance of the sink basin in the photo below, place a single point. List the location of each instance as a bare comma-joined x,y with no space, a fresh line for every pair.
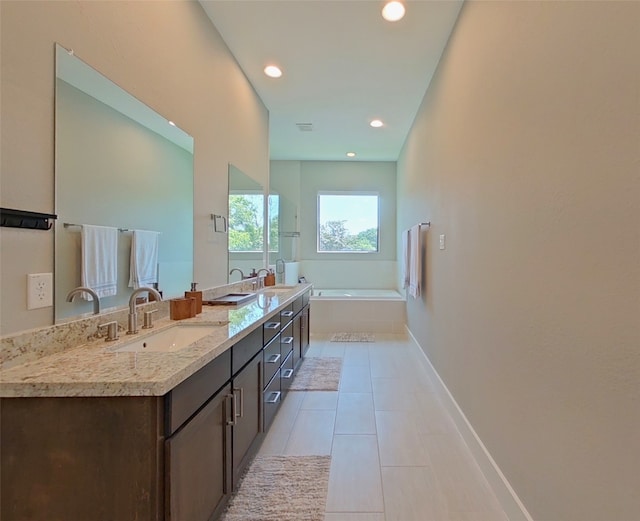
231,299
168,340
277,289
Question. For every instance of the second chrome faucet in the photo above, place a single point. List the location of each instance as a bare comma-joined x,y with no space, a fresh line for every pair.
133,312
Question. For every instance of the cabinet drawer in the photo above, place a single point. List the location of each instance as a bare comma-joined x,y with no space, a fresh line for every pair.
184,400
269,330
287,372
297,305
272,396
272,359
286,340
245,350
286,316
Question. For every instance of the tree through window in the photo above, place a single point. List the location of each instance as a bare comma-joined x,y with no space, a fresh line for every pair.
348,223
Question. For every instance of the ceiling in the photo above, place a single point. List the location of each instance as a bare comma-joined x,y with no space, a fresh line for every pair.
343,65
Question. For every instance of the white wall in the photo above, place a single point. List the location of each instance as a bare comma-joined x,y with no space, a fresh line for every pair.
168,55
525,153
336,270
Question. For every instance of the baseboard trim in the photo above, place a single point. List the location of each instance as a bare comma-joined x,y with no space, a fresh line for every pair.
509,500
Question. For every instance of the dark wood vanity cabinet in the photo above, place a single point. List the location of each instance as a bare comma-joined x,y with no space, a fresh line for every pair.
79,459
176,457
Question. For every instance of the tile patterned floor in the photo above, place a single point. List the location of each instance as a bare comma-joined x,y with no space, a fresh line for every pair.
396,453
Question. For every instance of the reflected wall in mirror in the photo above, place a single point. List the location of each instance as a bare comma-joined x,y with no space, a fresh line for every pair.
118,164
247,233
284,191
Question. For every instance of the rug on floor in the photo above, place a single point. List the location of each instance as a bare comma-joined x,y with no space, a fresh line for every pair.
318,374
282,488
353,337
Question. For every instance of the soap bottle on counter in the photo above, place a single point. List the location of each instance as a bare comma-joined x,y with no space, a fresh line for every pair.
197,295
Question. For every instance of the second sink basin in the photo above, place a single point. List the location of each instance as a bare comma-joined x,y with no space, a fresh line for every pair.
174,338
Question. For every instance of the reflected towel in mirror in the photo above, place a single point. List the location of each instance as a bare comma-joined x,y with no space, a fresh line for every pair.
99,259
144,258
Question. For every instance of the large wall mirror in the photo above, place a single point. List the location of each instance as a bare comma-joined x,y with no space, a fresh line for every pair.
118,164
247,233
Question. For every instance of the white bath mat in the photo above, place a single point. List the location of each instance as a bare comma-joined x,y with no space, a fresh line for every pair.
353,337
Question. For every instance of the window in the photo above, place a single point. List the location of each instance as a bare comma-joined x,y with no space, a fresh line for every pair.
347,222
246,222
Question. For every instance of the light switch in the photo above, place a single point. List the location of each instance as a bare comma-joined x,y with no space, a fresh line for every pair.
442,237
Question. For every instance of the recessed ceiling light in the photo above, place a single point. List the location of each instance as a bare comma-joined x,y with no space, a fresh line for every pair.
272,71
351,154
376,123
393,11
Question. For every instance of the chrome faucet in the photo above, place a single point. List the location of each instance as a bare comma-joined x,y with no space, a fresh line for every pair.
259,279
133,314
242,277
94,296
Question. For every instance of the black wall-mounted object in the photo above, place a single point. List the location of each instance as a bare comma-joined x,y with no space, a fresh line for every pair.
24,219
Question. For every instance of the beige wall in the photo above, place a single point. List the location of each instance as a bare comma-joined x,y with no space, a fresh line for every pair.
169,56
526,154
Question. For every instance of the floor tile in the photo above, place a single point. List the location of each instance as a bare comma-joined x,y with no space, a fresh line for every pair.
320,400
355,484
411,494
355,414
399,440
355,379
344,516
311,434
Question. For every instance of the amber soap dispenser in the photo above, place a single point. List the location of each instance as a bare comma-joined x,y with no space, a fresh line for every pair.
197,295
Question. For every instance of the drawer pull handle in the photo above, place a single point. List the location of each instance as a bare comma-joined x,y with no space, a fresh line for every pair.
274,397
287,340
272,325
233,409
273,358
286,313
287,373
237,414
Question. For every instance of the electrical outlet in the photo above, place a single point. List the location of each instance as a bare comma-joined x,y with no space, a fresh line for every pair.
39,290
442,241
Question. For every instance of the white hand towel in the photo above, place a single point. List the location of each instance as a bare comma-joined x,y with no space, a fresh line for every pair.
415,264
100,259
144,259
405,259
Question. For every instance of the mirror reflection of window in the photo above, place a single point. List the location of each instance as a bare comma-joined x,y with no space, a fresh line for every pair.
246,222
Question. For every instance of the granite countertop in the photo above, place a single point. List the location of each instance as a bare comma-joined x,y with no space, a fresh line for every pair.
94,369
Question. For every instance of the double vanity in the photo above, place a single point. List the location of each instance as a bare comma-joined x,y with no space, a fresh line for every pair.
154,426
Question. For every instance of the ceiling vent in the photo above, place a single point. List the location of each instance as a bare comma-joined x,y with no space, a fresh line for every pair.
305,127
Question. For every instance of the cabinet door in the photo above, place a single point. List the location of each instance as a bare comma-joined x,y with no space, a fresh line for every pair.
297,354
247,391
304,331
198,463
